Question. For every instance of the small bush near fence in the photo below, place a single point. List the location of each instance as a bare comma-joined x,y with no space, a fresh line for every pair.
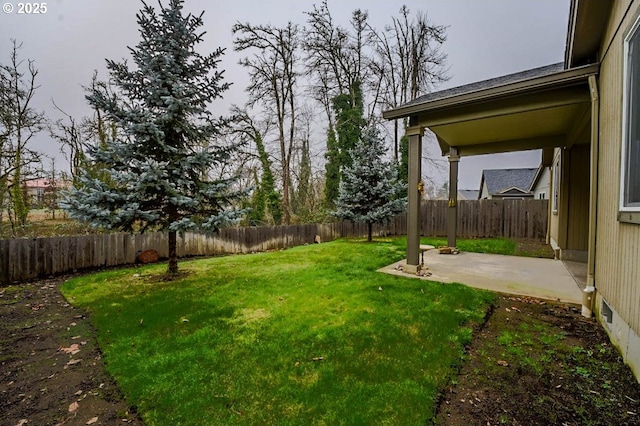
23,259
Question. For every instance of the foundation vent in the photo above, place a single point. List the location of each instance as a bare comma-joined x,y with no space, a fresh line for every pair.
606,312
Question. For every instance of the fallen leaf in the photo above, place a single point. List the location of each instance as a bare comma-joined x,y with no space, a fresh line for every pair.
73,349
503,363
73,407
22,422
380,288
92,420
73,361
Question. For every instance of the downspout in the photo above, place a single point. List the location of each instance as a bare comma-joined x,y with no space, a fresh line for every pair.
588,298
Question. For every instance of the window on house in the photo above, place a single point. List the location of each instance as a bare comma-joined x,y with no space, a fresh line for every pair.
630,190
542,196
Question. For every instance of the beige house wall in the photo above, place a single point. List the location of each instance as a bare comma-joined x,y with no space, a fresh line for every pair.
569,225
617,274
578,199
484,194
542,186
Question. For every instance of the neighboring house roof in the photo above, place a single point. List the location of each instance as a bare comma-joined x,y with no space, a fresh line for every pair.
513,191
508,181
468,194
44,183
37,183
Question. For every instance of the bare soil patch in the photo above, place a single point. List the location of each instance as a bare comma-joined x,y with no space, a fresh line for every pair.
540,363
51,370
533,248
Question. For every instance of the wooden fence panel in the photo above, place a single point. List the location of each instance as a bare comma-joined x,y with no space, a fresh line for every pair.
22,259
5,275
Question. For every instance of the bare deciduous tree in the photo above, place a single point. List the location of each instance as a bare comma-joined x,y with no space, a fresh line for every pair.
409,60
19,122
266,200
336,57
273,69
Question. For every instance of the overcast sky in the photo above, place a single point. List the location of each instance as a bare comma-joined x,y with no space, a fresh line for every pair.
485,39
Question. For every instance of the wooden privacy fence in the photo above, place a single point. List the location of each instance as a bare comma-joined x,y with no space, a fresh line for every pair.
23,259
518,219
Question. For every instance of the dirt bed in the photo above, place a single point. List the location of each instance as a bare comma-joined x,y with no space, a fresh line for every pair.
540,363
532,363
51,370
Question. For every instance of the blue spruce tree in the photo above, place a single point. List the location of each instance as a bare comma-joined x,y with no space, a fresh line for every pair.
370,191
160,164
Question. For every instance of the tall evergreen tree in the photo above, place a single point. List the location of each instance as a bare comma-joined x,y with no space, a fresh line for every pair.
304,191
160,165
370,190
331,168
349,110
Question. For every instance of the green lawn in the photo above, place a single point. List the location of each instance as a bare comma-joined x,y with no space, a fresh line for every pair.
309,335
477,245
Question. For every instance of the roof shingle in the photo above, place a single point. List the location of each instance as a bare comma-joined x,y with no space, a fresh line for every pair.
498,180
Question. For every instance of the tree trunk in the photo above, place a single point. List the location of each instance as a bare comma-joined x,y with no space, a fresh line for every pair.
173,253
369,236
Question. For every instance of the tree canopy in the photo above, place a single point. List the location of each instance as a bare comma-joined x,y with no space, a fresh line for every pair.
164,164
370,191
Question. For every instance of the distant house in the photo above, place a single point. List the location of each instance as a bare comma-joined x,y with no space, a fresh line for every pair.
515,183
541,183
35,190
507,183
468,194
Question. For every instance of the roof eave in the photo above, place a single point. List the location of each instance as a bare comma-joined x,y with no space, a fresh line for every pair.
556,79
587,24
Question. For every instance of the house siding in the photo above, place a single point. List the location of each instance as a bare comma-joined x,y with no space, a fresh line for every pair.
484,195
578,198
542,185
617,269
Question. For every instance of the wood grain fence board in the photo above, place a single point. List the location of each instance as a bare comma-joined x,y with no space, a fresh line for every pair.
5,275
32,271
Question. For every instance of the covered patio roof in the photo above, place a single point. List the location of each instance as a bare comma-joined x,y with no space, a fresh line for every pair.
535,109
541,108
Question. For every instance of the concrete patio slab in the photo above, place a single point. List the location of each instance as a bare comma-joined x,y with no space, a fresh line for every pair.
524,276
